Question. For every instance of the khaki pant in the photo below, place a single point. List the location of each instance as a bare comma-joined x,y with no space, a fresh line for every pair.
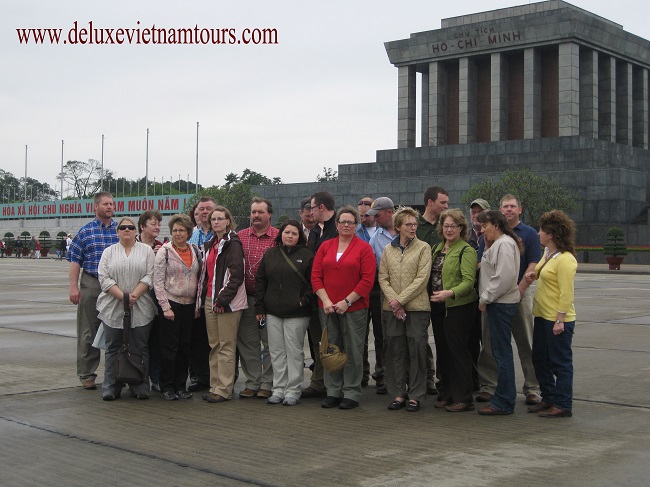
222,335
253,347
88,357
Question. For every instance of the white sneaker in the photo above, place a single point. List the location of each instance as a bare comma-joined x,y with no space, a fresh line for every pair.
290,401
274,400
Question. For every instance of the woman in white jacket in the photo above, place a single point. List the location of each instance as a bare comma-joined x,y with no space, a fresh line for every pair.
498,297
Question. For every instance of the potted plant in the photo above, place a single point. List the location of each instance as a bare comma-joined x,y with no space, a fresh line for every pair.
614,248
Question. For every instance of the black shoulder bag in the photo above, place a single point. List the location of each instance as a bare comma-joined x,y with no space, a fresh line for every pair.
130,367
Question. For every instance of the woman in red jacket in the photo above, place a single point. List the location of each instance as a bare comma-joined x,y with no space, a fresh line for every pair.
342,277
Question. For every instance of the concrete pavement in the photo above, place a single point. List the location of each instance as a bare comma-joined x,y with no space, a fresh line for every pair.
52,432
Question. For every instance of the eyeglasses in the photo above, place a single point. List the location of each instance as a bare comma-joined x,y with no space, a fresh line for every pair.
450,227
126,227
347,223
364,203
410,225
312,208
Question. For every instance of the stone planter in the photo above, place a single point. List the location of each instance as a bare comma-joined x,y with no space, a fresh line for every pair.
614,262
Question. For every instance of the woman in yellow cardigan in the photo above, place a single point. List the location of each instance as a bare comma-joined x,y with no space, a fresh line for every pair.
555,315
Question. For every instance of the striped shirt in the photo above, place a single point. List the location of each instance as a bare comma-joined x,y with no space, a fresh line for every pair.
87,246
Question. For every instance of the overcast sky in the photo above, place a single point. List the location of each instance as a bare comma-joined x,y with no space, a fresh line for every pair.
324,95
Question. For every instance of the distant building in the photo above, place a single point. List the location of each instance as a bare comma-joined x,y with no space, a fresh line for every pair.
547,86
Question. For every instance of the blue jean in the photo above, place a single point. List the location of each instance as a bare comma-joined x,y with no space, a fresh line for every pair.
553,361
500,318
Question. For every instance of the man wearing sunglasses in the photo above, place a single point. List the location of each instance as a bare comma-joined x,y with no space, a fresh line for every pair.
368,226
84,253
322,206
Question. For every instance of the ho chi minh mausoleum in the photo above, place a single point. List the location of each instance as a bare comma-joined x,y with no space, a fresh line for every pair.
547,86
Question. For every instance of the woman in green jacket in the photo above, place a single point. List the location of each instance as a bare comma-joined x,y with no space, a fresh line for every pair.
453,272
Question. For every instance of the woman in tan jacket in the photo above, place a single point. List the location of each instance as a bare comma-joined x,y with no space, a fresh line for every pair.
403,275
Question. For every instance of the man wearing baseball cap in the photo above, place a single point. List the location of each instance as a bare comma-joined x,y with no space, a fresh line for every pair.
382,209
476,207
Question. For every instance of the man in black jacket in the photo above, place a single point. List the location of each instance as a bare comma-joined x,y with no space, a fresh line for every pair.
322,205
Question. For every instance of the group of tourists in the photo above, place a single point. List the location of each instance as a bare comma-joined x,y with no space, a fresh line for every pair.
213,299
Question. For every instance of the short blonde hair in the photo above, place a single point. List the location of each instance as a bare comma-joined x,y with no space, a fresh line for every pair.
402,213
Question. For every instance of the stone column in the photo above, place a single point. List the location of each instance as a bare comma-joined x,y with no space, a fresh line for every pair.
437,103
569,88
424,100
607,98
532,94
466,100
589,93
499,108
640,107
405,107
624,103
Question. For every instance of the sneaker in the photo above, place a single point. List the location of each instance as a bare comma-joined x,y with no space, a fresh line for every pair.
246,393
263,394
170,396
330,402
441,403
184,394
348,404
214,398
533,399
198,386
290,401
459,407
484,397
311,392
273,399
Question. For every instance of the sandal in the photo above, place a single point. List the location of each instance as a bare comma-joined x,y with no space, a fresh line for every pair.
413,406
395,405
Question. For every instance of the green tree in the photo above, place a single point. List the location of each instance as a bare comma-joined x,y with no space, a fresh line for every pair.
538,194
329,174
13,189
236,193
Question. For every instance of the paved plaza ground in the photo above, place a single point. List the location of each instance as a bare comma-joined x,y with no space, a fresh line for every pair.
52,432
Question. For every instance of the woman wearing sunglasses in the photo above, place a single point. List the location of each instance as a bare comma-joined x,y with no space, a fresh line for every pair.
126,272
